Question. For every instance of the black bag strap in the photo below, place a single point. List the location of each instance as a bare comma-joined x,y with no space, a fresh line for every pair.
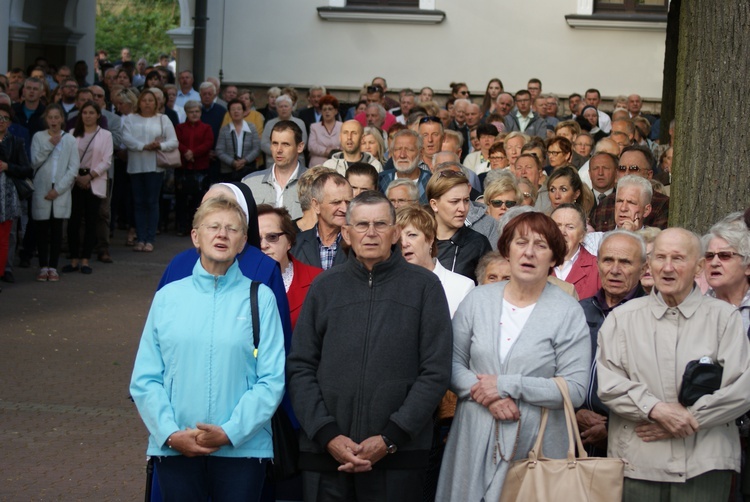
256,316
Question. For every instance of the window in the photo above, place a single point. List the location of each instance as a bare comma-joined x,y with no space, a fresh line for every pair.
385,3
631,6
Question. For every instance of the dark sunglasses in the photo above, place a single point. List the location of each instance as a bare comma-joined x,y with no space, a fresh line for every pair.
497,204
430,118
723,255
374,88
272,237
633,169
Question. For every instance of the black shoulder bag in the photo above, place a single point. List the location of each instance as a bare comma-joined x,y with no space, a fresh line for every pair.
699,379
285,442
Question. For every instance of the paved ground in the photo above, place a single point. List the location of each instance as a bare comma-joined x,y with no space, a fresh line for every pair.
67,428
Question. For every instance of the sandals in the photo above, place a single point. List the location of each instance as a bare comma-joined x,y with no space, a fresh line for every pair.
148,248
131,240
139,247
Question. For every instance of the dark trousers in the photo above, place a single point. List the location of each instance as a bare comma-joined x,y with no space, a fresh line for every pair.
29,237
712,486
184,479
49,238
122,198
146,190
375,486
190,187
103,220
85,211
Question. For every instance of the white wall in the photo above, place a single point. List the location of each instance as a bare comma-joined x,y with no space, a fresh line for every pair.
285,42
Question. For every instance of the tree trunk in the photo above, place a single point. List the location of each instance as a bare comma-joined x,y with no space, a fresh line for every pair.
712,148
669,84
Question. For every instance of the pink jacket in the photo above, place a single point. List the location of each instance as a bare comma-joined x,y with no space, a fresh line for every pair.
101,149
585,275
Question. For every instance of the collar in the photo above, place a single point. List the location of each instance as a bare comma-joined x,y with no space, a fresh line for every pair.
294,175
207,283
209,108
521,116
245,128
320,242
601,299
180,93
745,303
392,266
687,308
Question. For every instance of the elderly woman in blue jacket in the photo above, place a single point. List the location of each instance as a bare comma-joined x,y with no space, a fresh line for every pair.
204,393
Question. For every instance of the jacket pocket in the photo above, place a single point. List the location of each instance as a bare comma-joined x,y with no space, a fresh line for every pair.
387,398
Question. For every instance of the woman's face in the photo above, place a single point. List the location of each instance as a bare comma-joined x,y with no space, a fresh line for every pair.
647,281
4,122
370,145
193,115
450,209
592,116
54,120
462,92
724,275
284,110
153,81
123,80
498,160
494,90
236,112
122,106
667,162
361,107
272,101
560,192
425,95
415,247
530,257
89,116
219,238
328,112
556,155
497,270
500,203
171,97
148,105
270,230
565,132
245,98
570,224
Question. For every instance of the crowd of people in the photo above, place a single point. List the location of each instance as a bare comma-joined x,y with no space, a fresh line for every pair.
426,271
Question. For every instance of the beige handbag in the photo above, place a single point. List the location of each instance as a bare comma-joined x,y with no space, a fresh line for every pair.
168,159
581,478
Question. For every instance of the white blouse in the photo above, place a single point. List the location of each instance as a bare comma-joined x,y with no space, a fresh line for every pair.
137,132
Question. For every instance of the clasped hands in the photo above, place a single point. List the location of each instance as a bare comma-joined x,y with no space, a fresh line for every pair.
203,440
485,393
671,420
154,145
355,457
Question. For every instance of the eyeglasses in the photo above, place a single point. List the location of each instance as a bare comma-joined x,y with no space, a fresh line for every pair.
447,173
553,152
4,118
497,157
215,228
272,237
632,169
723,255
429,118
98,95
497,204
363,226
374,88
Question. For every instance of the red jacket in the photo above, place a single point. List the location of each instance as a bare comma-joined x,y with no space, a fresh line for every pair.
303,277
585,275
199,138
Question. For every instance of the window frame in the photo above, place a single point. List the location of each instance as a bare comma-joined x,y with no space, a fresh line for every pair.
630,7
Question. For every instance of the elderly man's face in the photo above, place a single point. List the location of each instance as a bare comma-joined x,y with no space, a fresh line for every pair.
551,107
504,104
620,267
634,104
472,115
630,208
372,115
634,163
186,80
407,104
314,98
541,106
432,138
371,233
336,199
230,93
675,261
400,197
405,154
459,112
98,94
602,171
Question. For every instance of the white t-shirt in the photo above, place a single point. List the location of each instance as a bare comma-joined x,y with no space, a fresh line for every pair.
513,320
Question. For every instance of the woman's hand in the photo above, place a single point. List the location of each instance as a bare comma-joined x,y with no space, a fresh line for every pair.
211,436
189,156
505,409
485,391
55,139
52,194
239,164
83,182
185,443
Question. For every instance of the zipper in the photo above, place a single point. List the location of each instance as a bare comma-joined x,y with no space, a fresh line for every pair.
363,359
211,349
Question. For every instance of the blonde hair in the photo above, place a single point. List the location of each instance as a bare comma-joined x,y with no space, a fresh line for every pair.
421,219
502,185
216,204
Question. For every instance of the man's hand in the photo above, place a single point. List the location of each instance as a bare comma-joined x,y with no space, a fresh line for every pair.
631,224
345,451
505,409
485,391
211,436
184,442
372,449
675,418
587,419
649,432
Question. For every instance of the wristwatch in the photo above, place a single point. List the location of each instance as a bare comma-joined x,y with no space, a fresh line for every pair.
390,446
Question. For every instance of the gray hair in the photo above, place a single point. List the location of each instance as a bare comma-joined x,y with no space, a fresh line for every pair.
461,101
512,213
408,132
273,91
410,186
379,107
453,158
370,198
191,104
626,233
207,85
455,135
485,261
497,174
647,191
737,237
5,97
317,88
284,99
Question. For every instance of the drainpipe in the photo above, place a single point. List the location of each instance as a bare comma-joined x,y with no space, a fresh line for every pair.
199,37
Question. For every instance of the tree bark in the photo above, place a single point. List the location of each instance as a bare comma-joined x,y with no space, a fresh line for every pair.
711,152
669,82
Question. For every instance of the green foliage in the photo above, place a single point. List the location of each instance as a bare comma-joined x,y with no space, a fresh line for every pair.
141,25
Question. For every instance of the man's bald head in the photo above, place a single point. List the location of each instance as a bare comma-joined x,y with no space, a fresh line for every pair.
607,145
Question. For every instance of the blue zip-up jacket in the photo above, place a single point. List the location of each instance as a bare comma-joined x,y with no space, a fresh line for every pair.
195,363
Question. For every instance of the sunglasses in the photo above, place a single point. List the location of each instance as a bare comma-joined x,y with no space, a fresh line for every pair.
632,169
451,174
429,118
374,88
497,204
723,255
272,237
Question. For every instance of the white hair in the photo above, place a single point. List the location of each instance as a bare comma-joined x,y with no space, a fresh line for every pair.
284,99
647,191
207,85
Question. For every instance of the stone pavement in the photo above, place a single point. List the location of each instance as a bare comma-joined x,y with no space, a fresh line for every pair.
67,427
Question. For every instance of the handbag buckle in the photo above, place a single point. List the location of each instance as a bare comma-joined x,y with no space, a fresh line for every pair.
572,464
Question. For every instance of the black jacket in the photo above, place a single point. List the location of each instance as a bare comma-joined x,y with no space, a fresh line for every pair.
461,253
307,249
34,123
371,355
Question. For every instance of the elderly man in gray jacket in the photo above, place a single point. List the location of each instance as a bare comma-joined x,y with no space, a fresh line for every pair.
676,451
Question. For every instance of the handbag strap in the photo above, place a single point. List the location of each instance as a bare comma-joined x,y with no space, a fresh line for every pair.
254,312
98,128
571,425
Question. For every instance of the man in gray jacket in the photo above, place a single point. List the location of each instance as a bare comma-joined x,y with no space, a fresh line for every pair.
370,361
